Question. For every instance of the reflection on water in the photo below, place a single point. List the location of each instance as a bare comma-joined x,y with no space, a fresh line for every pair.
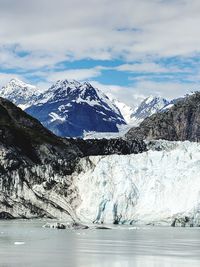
26,243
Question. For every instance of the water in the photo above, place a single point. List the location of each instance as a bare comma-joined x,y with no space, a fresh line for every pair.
26,243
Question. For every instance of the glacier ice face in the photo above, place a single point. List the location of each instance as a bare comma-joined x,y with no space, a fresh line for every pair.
154,186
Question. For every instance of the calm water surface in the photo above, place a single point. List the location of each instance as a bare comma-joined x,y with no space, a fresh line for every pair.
26,243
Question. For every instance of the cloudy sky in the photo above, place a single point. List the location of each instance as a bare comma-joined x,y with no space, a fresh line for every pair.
130,48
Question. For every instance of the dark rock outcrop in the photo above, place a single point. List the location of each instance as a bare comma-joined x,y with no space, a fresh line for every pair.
5,216
62,226
184,221
179,123
95,147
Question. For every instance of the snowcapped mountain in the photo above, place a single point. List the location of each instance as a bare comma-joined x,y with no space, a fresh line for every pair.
20,93
172,102
148,107
125,110
70,108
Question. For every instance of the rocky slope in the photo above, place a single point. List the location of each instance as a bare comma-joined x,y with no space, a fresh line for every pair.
31,157
180,122
36,166
70,108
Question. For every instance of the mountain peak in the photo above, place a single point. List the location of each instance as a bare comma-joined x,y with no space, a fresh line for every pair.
64,83
19,92
71,84
75,91
155,99
15,80
19,83
69,108
149,106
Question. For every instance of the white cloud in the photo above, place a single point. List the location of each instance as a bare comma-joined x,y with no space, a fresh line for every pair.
58,29
36,35
73,74
149,67
167,90
133,95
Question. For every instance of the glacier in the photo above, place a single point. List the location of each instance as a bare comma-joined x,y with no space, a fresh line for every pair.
156,186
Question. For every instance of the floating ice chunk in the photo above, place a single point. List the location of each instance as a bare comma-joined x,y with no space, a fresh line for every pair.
19,243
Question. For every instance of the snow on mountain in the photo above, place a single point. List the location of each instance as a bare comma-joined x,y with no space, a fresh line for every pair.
148,107
172,102
139,188
20,93
179,123
134,116
70,108
125,110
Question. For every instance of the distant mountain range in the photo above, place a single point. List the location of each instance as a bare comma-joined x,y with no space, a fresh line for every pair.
179,123
73,109
150,106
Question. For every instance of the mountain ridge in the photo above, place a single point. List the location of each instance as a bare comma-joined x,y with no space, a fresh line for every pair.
179,123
